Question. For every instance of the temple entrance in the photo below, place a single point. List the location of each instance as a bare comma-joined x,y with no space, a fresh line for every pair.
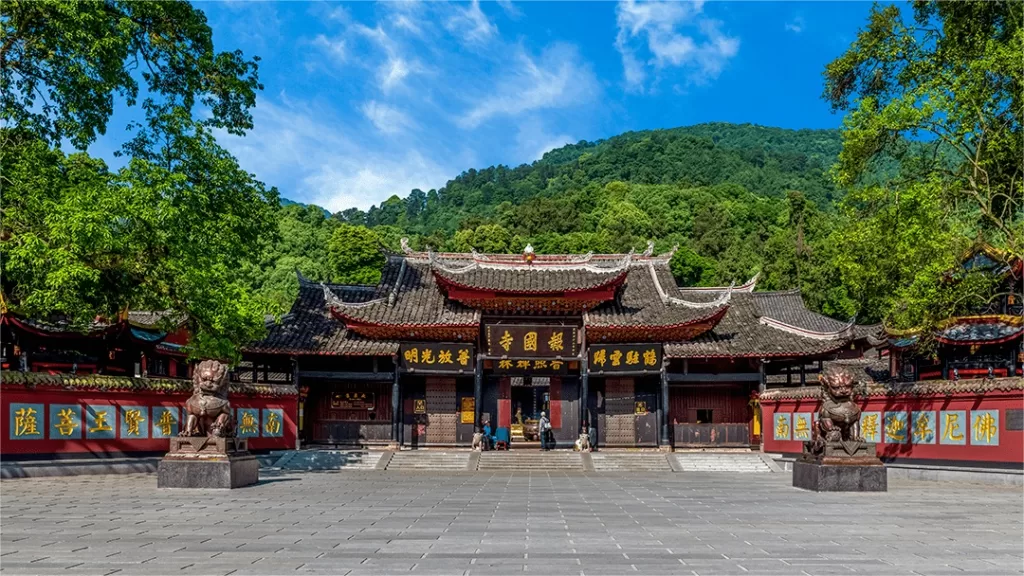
530,395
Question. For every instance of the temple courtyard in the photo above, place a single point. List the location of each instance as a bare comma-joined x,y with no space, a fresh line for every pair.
507,522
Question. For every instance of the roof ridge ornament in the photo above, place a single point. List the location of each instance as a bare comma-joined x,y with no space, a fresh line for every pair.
667,299
405,246
334,302
650,249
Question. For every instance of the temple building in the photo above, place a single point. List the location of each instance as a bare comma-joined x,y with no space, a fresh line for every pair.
987,342
447,341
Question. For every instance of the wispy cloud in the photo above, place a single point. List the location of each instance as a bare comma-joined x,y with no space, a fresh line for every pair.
657,29
533,140
334,47
387,119
392,72
307,151
558,78
796,25
471,24
511,10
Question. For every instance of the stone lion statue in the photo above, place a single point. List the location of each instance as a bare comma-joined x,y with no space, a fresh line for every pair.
209,412
839,417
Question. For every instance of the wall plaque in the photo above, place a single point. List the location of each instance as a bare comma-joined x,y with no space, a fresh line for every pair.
468,409
419,406
624,358
532,341
352,400
436,357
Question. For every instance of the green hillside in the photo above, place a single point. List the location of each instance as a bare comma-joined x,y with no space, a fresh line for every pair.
738,199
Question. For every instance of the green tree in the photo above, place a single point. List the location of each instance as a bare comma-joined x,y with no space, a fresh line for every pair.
173,229
951,80
355,255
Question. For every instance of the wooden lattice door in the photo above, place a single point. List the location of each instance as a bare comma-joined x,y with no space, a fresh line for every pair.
442,410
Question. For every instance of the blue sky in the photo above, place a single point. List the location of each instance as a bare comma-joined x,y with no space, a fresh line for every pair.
365,100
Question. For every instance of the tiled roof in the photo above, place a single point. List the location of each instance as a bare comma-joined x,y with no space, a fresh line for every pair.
150,319
407,295
537,279
921,388
788,306
126,384
748,331
640,302
309,327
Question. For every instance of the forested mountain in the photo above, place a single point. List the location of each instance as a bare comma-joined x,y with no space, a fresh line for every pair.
738,199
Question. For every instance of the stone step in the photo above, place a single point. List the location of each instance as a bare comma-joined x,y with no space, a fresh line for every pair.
739,462
608,462
533,461
428,460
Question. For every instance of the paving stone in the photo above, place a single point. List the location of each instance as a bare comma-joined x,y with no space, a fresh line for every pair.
506,522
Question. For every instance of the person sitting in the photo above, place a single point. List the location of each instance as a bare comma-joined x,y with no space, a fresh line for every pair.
584,441
488,436
478,440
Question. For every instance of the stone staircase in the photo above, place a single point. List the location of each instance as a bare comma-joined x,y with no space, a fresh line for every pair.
429,460
720,462
530,461
328,460
630,462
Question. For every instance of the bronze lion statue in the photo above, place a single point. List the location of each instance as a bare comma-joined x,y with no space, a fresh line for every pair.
839,416
208,409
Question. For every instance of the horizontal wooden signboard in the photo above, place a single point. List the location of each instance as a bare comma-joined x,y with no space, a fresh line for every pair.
624,358
436,357
534,341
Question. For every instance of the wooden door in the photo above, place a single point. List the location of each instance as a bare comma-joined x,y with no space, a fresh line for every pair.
442,410
619,422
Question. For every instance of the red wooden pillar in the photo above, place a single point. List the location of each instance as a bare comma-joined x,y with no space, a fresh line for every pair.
555,402
505,402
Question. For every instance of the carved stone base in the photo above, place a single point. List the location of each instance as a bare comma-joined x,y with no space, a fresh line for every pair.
208,462
233,471
846,475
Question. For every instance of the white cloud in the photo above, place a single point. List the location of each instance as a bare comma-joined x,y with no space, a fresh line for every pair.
657,26
391,73
471,24
335,47
559,78
511,10
313,157
796,25
533,140
387,119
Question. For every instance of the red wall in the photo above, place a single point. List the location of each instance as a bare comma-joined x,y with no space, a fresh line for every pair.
1009,450
119,445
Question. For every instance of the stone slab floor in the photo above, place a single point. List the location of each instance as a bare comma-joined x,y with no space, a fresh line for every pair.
359,523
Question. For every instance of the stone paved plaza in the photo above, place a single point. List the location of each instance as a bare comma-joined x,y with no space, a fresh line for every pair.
506,523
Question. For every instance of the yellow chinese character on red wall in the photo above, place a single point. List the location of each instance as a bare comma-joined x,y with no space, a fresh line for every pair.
166,423
540,364
66,425
132,418
522,364
100,422
248,424
952,428
273,424
25,422
505,364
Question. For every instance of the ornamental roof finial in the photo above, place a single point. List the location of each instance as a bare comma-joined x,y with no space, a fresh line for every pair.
528,254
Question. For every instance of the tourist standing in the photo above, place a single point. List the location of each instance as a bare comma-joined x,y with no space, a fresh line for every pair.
545,429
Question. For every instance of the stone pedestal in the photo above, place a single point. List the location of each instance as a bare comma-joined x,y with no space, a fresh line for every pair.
201,462
845,477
